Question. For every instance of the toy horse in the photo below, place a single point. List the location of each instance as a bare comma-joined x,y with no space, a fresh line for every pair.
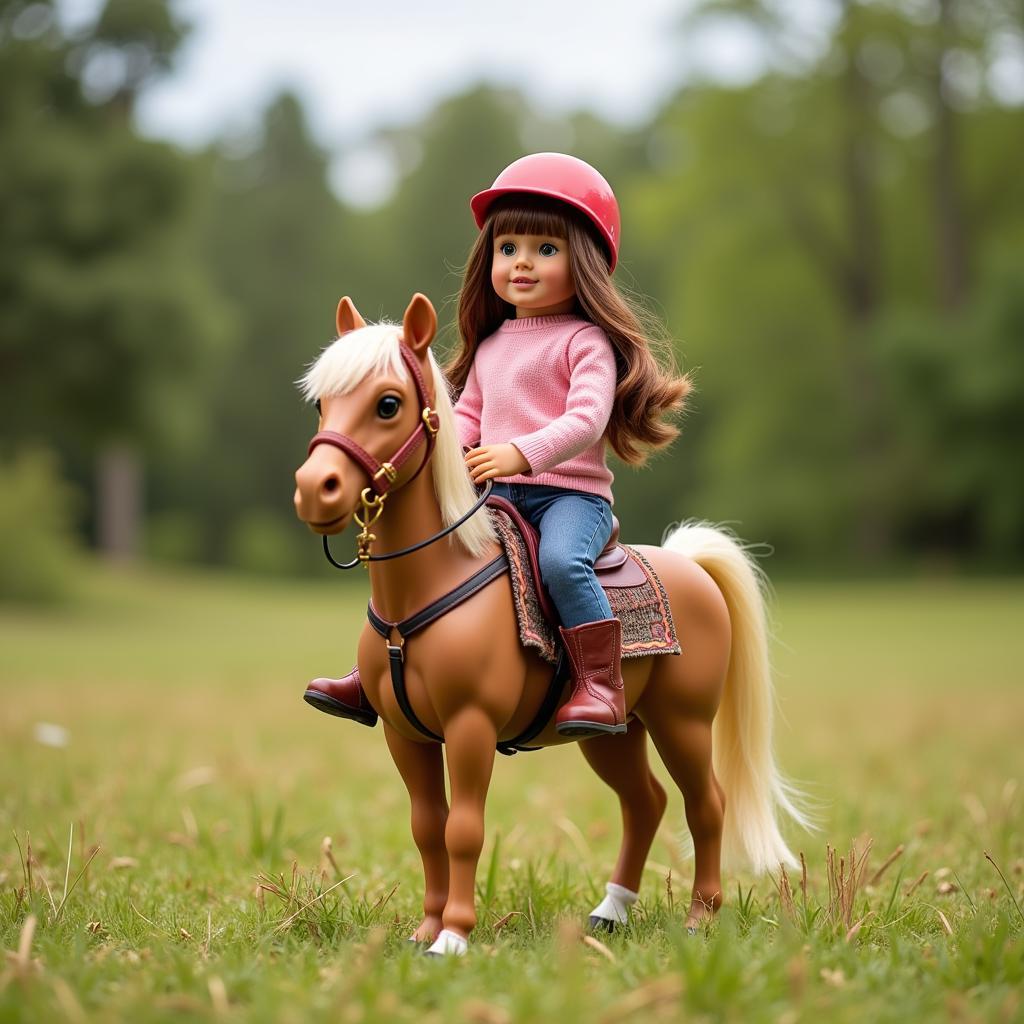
442,659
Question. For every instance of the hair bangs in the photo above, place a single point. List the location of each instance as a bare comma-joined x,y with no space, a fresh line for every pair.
530,215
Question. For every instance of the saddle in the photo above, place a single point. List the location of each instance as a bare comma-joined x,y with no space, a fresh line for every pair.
635,594
614,567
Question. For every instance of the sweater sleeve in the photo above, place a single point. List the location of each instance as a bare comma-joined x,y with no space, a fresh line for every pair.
467,411
588,405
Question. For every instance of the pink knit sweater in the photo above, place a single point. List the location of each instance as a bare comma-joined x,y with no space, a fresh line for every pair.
546,384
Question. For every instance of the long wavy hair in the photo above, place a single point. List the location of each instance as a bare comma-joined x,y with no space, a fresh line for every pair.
648,386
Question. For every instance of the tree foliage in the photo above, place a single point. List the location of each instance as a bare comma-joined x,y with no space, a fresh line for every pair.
834,248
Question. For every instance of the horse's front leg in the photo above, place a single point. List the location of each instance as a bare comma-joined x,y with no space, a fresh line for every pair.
470,736
421,766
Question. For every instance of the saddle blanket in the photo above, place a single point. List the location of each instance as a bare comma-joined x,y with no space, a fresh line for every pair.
647,626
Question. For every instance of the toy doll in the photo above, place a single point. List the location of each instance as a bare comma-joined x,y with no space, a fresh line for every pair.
554,367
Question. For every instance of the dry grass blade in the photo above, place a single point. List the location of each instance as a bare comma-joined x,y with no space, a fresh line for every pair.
886,864
218,996
989,858
327,857
501,922
852,933
655,994
599,947
69,1005
946,926
284,924
22,960
78,877
920,878
576,837
383,900
49,895
785,891
152,924
24,869
845,879
803,877
205,948
67,869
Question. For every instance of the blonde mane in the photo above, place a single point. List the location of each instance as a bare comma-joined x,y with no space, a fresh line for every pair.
373,350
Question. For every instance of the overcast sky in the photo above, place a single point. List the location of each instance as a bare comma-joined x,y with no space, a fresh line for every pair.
362,65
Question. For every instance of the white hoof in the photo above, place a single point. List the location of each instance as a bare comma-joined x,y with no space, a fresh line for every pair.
448,944
614,908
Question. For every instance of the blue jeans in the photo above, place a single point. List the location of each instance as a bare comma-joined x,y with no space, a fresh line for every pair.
574,527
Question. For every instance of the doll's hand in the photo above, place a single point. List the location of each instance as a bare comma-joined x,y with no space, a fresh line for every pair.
493,460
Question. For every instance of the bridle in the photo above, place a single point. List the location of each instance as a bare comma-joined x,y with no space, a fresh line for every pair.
384,474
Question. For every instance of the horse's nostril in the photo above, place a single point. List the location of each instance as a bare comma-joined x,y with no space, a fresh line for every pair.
331,484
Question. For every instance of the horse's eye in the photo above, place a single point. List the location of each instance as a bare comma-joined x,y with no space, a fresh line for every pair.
388,406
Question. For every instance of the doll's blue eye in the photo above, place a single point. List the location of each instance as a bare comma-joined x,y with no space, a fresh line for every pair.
547,249
508,249
388,406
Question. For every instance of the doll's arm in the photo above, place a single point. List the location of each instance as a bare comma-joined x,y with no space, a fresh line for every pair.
467,411
588,405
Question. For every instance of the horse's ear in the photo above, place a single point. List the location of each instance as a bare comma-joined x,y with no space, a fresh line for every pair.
419,325
348,318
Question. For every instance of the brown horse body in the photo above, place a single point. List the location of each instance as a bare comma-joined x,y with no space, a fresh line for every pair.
469,679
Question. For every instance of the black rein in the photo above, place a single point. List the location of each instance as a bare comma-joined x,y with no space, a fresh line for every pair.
481,501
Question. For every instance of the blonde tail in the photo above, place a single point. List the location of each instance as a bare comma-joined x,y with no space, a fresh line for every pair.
744,760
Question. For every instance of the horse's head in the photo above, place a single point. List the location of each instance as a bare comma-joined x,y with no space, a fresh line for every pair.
371,387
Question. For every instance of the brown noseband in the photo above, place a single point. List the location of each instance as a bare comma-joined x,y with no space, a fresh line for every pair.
383,474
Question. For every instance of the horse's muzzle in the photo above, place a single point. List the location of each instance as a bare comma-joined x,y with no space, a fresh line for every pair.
319,494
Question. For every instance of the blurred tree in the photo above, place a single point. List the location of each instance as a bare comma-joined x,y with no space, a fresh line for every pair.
106,323
132,44
277,243
425,233
810,204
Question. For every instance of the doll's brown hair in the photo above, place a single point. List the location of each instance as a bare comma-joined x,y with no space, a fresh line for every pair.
645,390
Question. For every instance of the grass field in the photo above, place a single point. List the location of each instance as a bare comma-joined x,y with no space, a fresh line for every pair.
197,790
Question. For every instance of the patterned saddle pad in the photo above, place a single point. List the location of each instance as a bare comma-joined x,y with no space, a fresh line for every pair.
647,626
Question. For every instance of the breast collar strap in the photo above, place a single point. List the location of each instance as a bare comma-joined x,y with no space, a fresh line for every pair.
383,474
414,623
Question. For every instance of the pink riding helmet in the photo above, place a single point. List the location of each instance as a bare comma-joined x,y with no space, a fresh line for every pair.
559,176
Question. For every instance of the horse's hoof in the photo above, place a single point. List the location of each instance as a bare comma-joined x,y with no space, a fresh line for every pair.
448,944
601,924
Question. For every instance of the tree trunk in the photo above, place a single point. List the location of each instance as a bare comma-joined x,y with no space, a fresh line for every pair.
119,502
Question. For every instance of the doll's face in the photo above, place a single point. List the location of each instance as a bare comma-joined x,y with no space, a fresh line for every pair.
532,273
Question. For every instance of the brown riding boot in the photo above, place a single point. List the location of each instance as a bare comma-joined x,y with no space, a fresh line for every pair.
341,697
598,701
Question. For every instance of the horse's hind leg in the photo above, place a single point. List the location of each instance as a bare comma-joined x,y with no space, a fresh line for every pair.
684,743
621,762
422,769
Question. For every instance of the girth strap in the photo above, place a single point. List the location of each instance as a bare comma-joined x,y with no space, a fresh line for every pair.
544,712
421,619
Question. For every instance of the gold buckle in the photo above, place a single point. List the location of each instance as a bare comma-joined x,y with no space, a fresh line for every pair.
372,508
386,469
427,413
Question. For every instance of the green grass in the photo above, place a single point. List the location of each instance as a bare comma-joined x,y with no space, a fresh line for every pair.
207,787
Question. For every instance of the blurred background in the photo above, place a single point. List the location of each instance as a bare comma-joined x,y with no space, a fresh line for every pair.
821,200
